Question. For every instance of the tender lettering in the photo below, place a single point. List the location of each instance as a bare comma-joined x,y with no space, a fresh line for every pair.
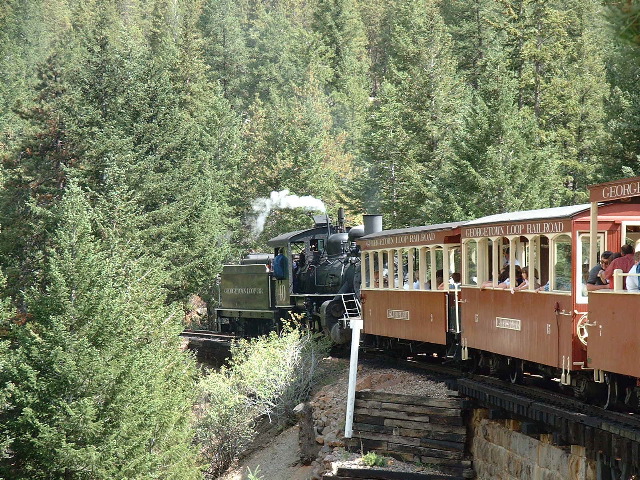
398,314
508,323
244,291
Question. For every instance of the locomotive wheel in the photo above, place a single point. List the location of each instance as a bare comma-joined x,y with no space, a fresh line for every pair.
516,371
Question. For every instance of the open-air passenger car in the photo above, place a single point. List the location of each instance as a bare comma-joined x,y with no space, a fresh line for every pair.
614,315
543,327
399,284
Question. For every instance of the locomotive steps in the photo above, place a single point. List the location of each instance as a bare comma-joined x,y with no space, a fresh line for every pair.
424,430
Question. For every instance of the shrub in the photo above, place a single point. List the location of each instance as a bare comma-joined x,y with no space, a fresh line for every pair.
225,424
266,376
372,459
276,372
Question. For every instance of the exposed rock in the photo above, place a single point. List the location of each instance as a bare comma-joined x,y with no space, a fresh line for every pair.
306,433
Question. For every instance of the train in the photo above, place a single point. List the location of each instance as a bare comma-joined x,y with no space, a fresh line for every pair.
319,283
440,290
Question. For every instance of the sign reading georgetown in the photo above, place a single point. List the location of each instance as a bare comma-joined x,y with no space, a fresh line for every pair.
524,228
615,190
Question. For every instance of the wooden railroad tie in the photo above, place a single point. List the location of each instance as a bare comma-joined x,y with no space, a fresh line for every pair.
412,428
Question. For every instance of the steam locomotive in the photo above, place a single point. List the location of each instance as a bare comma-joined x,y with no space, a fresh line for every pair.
438,289
319,282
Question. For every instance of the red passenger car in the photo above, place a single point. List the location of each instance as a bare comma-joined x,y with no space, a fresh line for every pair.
613,343
401,272
543,326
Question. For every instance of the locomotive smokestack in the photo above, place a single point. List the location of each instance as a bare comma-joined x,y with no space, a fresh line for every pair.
372,224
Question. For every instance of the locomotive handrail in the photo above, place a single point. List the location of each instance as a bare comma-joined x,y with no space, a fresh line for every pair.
351,305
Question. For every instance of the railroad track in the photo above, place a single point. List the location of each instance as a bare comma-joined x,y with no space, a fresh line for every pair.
612,437
208,336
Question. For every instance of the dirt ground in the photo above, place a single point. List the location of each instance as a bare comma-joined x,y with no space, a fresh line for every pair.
278,456
277,460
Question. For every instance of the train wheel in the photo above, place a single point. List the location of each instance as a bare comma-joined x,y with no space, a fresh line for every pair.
516,371
474,364
611,391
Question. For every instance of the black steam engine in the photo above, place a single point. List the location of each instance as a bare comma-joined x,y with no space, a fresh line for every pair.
305,280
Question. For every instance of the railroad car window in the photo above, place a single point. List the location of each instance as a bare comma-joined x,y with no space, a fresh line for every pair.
403,273
385,270
561,279
455,265
471,263
365,269
378,269
632,234
395,269
438,268
582,268
418,282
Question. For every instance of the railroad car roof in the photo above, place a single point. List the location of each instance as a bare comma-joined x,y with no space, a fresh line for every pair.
289,237
424,228
540,214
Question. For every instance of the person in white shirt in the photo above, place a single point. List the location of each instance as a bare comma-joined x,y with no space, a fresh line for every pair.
632,280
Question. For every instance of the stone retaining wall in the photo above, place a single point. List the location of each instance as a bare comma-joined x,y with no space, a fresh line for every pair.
500,451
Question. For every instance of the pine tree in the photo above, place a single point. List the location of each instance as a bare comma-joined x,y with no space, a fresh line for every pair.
127,96
224,25
98,387
291,146
342,33
555,51
623,49
416,118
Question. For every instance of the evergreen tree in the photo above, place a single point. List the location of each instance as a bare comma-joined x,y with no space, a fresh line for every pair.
224,25
416,118
343,35
291,146
623,112
97,385
129,97
555,51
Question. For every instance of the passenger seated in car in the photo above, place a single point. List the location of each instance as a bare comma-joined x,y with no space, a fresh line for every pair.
504,274
507,282
594,282
633,279
525,280
439,280
454,281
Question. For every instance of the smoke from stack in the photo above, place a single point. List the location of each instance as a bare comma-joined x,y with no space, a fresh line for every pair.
262,207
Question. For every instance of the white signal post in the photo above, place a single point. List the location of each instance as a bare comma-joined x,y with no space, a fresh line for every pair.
356,326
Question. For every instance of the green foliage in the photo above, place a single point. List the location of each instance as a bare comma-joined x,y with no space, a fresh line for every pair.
95,384
276,371
226,421
415,119
372,459
266,376
255,475
134,137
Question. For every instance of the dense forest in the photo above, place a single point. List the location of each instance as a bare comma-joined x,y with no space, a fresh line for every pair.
135,137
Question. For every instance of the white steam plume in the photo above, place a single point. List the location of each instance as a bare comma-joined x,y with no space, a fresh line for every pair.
262,207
